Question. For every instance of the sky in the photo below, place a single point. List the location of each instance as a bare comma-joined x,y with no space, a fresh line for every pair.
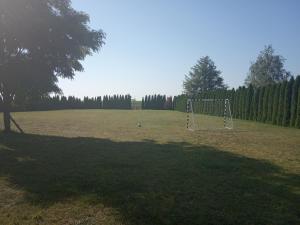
151,45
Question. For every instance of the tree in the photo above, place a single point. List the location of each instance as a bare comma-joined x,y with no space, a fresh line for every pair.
243,102
270,102
233,99
41,40
260,104
297,124
275,103
268,69
281,103
265,103
236,111
204,76
255,104
294,101
287,103
143,103
249,97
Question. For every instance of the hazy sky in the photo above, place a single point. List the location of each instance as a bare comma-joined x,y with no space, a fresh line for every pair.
152,44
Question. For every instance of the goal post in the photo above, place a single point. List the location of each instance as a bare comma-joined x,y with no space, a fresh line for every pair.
204,114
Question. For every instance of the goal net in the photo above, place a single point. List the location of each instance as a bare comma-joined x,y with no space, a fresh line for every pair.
208,114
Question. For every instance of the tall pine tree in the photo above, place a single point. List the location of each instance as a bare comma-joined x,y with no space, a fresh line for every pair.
275,103
236,104
260,104
265,103
287,103
298,111
294,101
249,96
255,104
270,102
281,103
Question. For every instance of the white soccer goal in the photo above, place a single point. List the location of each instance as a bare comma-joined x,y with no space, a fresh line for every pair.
208,114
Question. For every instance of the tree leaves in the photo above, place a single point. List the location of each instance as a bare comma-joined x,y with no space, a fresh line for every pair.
267,69
204,76
43,39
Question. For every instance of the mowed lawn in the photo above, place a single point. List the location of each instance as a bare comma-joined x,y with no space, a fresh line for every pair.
98,167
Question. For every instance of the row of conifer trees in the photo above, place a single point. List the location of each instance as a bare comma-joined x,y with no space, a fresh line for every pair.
117,102
157,102
277,104
71,102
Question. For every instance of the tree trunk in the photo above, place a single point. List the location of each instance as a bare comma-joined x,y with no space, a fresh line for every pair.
6,114
7,126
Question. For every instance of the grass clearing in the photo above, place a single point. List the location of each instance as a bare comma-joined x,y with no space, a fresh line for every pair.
98,167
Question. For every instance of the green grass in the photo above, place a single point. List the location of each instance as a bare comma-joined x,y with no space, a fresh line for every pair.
98,167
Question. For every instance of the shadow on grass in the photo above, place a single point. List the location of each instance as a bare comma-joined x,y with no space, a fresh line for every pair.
151,183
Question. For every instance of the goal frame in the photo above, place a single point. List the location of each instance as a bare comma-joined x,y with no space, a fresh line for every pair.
227,114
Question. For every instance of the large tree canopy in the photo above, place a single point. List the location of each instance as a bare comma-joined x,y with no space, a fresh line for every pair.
267,69
41,40
203,76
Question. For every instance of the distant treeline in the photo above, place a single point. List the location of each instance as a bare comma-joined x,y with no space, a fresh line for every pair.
71,102
117,102
277,104
157,102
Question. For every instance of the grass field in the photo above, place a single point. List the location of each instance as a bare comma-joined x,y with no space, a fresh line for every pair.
97,167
